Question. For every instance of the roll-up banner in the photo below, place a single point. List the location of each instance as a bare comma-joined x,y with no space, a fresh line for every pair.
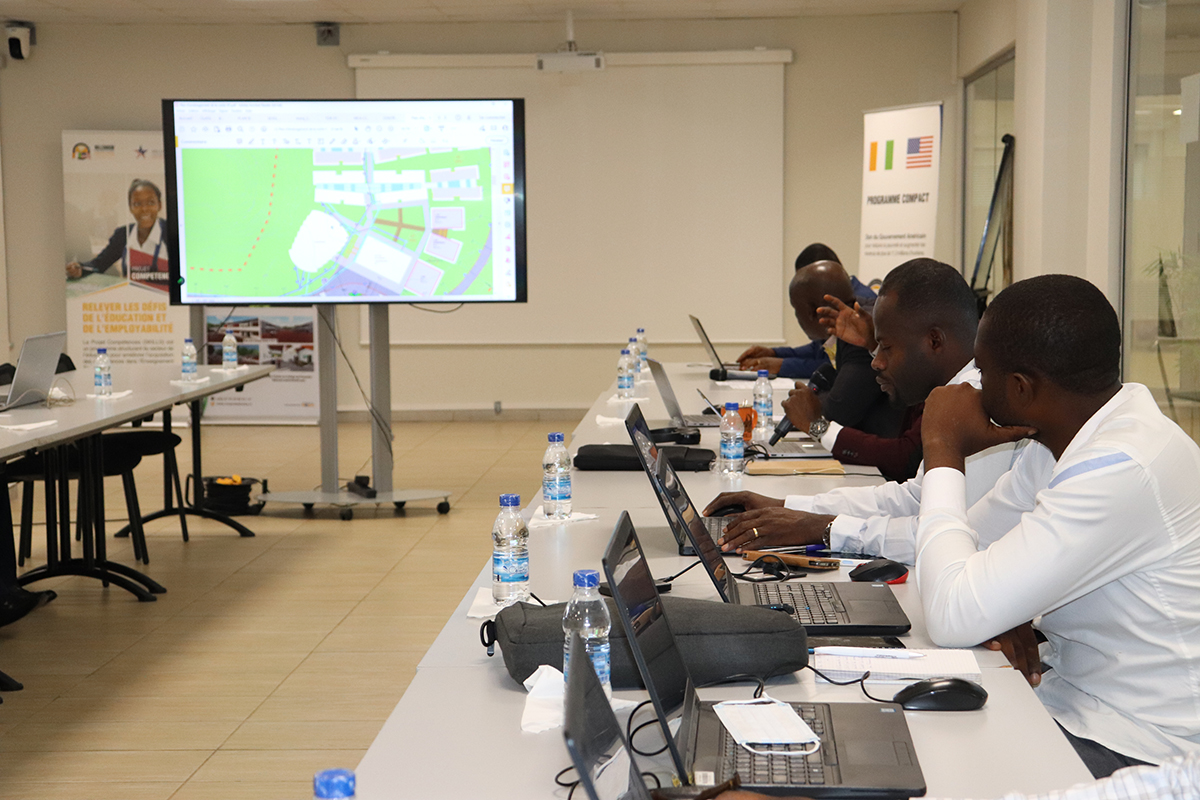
901,155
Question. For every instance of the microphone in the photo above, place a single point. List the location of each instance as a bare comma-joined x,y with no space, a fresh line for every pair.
819,381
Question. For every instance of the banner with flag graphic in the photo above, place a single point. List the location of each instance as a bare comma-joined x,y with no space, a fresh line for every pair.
901,149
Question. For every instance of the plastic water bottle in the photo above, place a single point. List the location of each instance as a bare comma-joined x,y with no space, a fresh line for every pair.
764,401
556,479
189,361
625,375
637,362
229,350
587,615
510,553
642,349
103,378
333,784
733,447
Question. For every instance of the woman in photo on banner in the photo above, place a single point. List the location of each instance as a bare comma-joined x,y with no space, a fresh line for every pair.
140,245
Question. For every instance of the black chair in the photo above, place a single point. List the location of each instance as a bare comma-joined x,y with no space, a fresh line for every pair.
148,443
117,461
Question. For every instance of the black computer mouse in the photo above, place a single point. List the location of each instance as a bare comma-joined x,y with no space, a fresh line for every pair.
725,511
881,570
942,694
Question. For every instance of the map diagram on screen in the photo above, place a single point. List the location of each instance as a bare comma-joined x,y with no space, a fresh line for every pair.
342,221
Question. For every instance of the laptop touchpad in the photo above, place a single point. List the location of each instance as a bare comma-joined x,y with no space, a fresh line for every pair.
876,753
868,608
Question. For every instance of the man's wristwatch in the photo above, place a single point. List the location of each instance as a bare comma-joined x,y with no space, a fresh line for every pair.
818,427
827,535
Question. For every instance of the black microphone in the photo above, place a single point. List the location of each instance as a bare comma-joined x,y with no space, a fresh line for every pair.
819,381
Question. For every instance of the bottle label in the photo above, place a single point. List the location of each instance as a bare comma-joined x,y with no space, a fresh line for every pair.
625,381
600,662
732,448
556,488
763,408
510,568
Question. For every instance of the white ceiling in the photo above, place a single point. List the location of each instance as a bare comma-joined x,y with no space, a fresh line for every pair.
360,11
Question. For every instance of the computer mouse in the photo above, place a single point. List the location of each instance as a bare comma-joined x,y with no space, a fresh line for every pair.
725,511
942,694
881,570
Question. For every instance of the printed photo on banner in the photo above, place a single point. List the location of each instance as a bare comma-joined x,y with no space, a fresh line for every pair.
116,260
901,161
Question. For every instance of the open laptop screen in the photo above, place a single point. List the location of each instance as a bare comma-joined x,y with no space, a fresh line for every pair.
641,612
681,513
606,768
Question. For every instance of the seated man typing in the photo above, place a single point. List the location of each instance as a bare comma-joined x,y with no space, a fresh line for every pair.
1096,530
800,362
925,326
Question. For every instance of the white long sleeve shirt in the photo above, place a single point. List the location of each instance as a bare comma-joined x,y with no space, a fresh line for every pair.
882,520
1174,779
1106,549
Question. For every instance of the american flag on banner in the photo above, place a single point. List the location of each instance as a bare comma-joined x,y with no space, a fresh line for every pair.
920,152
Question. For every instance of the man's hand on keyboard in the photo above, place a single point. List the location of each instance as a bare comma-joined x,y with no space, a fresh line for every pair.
773,527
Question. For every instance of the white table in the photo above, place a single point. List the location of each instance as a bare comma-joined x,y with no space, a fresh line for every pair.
458,723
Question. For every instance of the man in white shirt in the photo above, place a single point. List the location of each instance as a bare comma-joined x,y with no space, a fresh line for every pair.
1096,532
924,329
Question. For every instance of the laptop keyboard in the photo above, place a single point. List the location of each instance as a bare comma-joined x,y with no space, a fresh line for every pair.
786,448
817,769
814,603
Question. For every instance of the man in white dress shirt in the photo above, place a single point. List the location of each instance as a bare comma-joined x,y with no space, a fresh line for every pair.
924,331
1096,532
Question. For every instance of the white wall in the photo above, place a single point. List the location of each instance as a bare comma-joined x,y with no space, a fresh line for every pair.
986,29
113,76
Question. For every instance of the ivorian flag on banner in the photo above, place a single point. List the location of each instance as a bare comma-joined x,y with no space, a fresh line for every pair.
901,150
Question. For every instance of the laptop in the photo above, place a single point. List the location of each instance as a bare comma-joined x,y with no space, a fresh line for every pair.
35,370
830,608
866,749
732,371
606,767
678,418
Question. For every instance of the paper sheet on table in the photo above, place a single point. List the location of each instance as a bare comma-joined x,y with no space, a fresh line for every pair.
778,384
484,606
197,382
764,722
112,396
544,705
539,520
602,420
939,663
30,426
795,466
232,370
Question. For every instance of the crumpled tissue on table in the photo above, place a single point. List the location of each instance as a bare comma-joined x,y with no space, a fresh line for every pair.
539,519
544,705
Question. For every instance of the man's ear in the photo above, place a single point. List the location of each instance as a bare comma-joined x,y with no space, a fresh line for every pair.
1022,390
936,339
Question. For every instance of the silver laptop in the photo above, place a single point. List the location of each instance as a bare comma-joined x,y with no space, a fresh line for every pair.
678,418
35,370
732,372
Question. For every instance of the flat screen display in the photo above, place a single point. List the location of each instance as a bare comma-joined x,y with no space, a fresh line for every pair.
345,201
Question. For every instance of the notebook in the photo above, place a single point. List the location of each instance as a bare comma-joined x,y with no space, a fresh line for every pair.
678,418
865,748
731,369
823,608
931,664
35,370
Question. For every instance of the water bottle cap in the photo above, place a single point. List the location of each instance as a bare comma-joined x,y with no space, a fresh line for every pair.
762,373
641,330
731,406
187,340
587,577
624,351
633,339
555,437
102,350
510,500
332,783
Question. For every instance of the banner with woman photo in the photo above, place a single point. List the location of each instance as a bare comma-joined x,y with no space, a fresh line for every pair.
116,261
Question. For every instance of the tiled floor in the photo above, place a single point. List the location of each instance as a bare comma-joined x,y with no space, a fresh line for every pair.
269,658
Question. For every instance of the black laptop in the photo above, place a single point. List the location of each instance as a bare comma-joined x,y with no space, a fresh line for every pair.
866,749
678,418
824,608
606,768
